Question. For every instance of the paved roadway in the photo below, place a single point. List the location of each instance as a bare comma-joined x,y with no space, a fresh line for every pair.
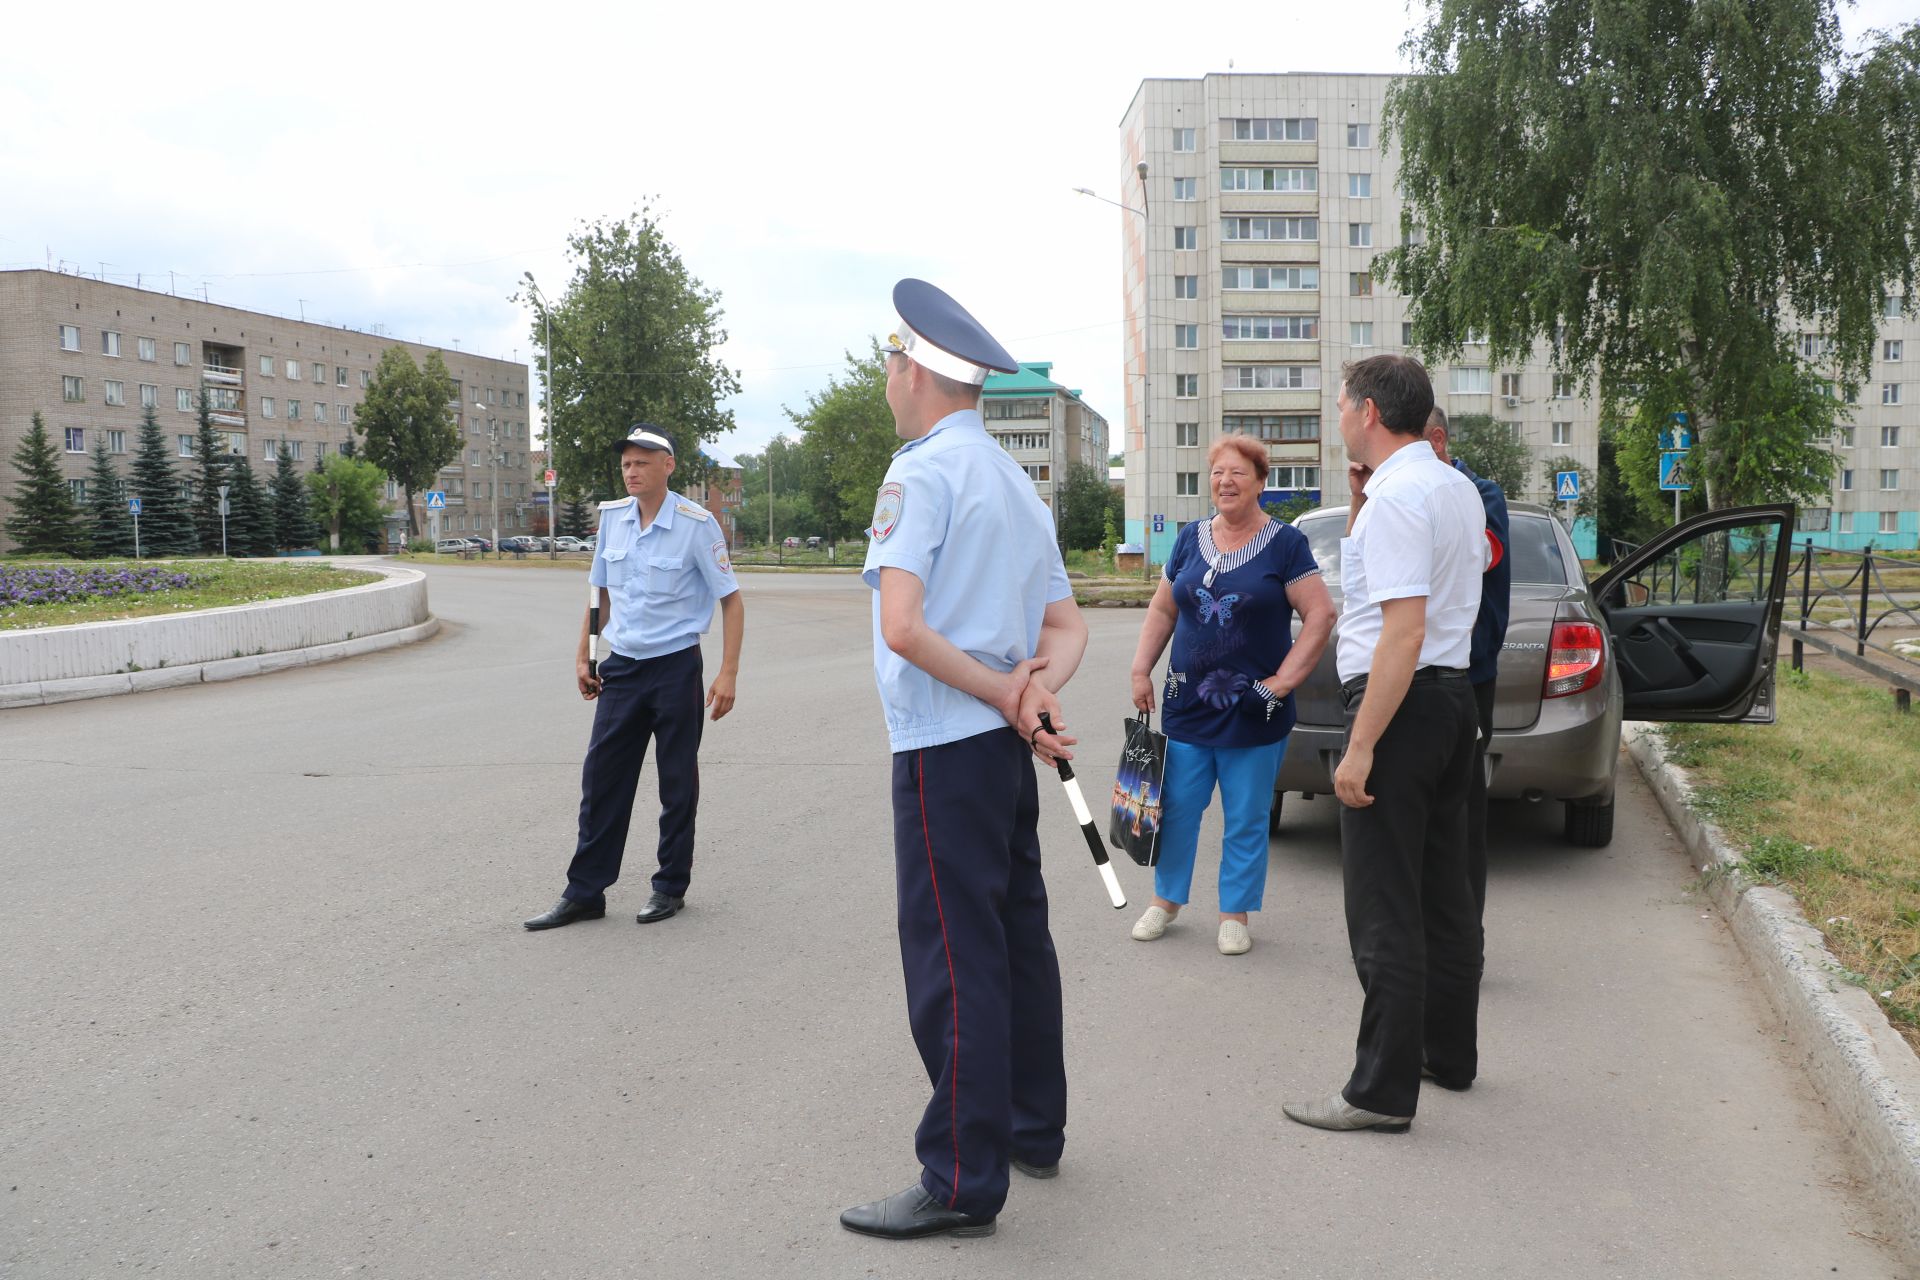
269,1011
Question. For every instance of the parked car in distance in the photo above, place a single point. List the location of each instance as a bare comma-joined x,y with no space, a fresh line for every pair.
479,543
518,544
566,543
452,546
1684,628
791,544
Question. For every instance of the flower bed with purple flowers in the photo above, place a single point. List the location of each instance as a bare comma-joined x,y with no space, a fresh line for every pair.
59,585
42,594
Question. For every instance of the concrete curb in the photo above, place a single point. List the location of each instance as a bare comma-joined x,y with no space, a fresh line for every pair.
1867,1075
133,655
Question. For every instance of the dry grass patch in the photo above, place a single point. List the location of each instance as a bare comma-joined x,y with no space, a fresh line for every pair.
1826,803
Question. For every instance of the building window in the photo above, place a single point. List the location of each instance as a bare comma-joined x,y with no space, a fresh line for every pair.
270,451
319,451
1359,135
1563,433
1186,484
186,491
1289,129
72,389
76,439
1844,435
1360,284
1891,349
1285,279
339,375
185,444
1183,140
1360,185
116,392
183,399
292,447
69,337
1293,477
1186,386
1272,377
996,409
293,411
293,370
1889,393
1037,471
1186,337
366,379
1406,333
1510,385
1270,328
116,442
1274,426
1846,480
109,343
145,346
1889,477
1183,188
222,399
1889,437
266,406
182,354
1470,380
1563,386
77,489
1288,179
345,417
1890,308
266,366
1360,333
149,396
319,373
1186,286
1186,435
1295,229
1360,235
319,412
473,457
1186,237
1022,441
1889,522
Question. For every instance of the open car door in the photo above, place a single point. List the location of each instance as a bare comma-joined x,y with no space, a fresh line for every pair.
1694,616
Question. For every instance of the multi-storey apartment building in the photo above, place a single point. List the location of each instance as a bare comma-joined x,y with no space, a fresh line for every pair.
91,356
1266,198
1045,426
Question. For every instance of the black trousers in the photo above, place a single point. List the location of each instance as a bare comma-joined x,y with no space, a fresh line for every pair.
1477,798
983,983
640,699
1411,919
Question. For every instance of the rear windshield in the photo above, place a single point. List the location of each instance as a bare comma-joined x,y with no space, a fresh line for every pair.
1535,551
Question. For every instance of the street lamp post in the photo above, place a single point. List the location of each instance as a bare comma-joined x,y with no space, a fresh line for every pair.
553,491
493,467
1146,375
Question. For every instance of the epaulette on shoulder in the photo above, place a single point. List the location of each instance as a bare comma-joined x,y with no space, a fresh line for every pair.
690,509
616,503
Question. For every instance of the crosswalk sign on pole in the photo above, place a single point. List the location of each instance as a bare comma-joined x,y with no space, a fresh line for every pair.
1566,486
436,499
1674,472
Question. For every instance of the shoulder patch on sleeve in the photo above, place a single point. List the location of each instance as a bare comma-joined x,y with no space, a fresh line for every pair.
690,509
616,503
720,556
886,509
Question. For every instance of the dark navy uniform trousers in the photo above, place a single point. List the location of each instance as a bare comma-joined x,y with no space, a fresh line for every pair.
983,984
640,698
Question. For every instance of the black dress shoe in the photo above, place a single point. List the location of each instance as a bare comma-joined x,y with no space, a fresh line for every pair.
659,907
1426,1073
910,1214
1033,1170
566,911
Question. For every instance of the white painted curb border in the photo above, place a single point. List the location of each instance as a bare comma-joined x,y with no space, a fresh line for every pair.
1867,1075
133,655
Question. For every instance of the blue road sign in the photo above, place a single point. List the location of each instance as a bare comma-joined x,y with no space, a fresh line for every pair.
1159,522
133,506
1674,473
1566,486
436,499
1679,439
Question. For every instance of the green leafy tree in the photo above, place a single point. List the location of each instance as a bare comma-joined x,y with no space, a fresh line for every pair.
408,423
846,442
784,470
166,521
345,497
1587,505
1290,510
249,518
292,518
1082,498
44,518
1490,448
109,527
1621,519
634,338
1663,194
210,456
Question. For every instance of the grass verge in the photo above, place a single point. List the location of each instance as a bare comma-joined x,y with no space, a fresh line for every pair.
213,584
1826,804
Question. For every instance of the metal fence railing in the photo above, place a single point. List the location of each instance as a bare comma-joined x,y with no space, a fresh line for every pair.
1845,597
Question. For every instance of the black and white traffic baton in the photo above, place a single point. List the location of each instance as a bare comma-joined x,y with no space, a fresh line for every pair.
593,632
1079,803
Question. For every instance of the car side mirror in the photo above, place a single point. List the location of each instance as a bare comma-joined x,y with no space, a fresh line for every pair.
1631,594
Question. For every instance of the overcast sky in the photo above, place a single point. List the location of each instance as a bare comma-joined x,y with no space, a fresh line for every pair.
385,165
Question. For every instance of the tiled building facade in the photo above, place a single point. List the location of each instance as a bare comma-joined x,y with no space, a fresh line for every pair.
1045,426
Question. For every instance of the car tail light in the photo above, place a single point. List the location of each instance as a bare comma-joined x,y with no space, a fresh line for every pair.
1576,659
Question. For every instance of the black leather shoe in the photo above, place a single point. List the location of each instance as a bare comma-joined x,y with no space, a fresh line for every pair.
1033,1170
910,1214
659,907
1426,1073
566,911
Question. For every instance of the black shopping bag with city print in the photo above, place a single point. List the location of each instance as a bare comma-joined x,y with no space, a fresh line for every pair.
1134,827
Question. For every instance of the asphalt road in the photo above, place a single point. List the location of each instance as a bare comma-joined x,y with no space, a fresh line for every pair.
269,1010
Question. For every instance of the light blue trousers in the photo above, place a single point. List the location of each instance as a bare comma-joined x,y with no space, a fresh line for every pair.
1245,776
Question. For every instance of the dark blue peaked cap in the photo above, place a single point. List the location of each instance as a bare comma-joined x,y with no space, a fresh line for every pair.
940,334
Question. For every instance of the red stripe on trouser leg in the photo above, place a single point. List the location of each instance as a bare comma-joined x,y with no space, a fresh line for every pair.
953,1091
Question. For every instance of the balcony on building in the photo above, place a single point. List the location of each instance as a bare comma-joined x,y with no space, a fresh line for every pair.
221,365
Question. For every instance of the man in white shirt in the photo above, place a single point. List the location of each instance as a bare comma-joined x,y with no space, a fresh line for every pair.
1410,575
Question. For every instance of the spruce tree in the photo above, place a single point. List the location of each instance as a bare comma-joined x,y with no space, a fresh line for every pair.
249,519
109,527
44,518
292,518
210,474
166,525
575,521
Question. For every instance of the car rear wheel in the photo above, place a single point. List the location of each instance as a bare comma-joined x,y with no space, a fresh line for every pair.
1590,826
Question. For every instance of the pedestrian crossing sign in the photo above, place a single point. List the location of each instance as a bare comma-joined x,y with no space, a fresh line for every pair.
436,499
1674,472
1566,486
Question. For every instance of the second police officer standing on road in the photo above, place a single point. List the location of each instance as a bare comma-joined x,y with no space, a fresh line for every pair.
660,565
975,629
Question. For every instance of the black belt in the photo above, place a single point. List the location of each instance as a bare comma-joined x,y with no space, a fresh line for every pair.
1351,689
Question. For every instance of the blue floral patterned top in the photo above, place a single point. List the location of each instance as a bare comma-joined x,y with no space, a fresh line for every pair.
1233,630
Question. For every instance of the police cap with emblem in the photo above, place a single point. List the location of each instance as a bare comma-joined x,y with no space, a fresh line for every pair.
646,436
937,333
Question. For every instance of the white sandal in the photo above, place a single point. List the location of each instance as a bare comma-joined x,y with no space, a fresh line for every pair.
1151,924
1234,938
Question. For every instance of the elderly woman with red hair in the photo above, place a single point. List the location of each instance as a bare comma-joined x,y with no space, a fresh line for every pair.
1227,601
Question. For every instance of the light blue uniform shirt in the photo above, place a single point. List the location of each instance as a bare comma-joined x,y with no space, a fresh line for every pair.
662,581
960,515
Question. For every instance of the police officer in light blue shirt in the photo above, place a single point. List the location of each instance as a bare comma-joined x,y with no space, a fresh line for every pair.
975,630
660,566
